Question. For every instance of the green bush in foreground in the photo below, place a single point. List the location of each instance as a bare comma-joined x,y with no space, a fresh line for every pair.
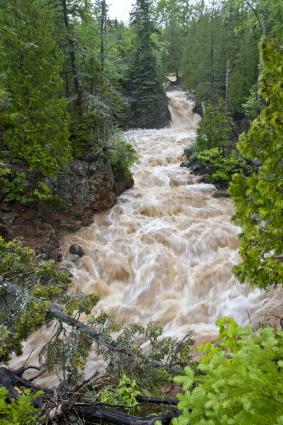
19,411
239,381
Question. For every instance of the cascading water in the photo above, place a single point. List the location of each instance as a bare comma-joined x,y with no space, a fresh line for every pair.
165,252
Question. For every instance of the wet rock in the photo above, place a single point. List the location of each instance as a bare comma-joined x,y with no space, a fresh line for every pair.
66,271
76,249
87,187
221,194
74,258
196,168
185,164
123,182
189,151
206,178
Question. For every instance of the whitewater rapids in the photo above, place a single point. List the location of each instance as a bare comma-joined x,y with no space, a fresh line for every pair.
164,253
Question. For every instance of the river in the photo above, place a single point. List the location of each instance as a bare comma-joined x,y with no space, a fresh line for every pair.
165,251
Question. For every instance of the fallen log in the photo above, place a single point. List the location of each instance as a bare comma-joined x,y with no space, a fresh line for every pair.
91,413
158,400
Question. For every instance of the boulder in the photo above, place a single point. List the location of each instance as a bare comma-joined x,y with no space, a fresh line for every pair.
189,151
196,168
87,187
206,178
76,249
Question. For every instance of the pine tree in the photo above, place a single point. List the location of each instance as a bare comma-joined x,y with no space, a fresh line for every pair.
149,105
215,128
259,198
35,120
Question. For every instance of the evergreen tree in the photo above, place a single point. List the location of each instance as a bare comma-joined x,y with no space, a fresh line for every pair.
220,57
215,129
149,106
35,120
259,198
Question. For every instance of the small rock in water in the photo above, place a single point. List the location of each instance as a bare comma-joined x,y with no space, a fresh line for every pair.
207,178
76,250
67,271
221,194
189,151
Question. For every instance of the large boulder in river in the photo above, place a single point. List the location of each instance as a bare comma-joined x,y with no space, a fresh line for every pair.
76,249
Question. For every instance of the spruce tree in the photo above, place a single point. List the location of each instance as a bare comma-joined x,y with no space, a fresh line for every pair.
35,120
149,106
259,198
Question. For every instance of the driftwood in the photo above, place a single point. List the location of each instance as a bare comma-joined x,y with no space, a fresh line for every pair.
91,413
13,381
69,403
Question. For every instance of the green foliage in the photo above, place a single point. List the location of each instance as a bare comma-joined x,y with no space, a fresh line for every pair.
35,118
122,156
17,187
258,198
238,380
220,55
38,282
125,394
19,411
162,358
221,168
215,129
252,105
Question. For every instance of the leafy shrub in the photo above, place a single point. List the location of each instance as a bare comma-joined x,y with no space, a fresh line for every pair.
125,394
38,282
122,156
252,105
221,168
215,128
19,411
239,381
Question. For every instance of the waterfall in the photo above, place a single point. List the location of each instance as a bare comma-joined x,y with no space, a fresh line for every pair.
165,251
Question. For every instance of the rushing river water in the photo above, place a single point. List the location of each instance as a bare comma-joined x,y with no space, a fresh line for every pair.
165,251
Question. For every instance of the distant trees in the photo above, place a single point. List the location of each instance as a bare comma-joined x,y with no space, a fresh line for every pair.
220,55
149,106
34,117
61,89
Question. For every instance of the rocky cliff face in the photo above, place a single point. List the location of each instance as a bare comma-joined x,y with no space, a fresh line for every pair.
87,187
